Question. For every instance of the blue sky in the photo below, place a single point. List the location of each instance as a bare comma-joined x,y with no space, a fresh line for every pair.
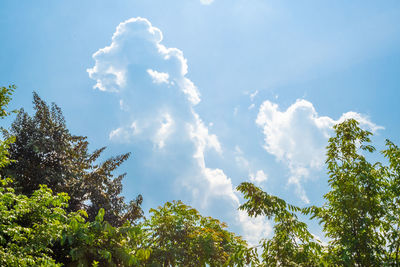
207,94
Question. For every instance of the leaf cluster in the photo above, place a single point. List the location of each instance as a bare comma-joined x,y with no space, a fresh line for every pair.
179,236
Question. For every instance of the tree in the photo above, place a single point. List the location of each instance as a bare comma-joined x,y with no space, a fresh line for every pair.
99,243
45,152
38,228
38,231
292,243
5,98
179,236
360,215
391,223
28,225
353,213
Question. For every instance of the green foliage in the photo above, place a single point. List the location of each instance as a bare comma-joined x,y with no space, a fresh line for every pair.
179,236
175,235
391,223
35,226
38,228
99,243
30,225
45,152
292,243
353,213
360,217
5,98
32,229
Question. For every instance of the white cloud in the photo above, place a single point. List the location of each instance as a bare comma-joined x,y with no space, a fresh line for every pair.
364,121
190,90
157,106
203,140
120,135
258,177
158,77
124,134
254,228
218,182
136,43
220,185
206,2
298,137
164,131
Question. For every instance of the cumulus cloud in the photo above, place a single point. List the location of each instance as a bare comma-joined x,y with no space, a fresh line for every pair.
136,45
203,139
150,80
157,107
219,184
298,137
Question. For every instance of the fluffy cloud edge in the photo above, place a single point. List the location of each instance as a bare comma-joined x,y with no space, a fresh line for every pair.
298,135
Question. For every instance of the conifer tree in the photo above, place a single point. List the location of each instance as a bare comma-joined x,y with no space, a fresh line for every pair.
45,152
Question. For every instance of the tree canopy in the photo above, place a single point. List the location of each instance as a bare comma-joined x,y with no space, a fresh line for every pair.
60,207
360,216
180,236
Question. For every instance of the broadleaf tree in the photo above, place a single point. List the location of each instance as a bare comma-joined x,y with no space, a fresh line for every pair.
179,236
360,217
